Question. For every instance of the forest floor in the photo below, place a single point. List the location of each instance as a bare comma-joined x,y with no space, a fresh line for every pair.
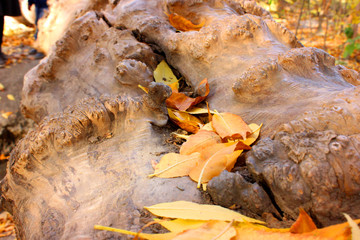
18,43
334,44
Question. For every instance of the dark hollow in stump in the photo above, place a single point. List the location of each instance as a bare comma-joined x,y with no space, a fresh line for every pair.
87,161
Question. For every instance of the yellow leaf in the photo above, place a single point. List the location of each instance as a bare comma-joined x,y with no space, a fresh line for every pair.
230,126
179,225
164,74
197,110
355,230
199,141
143,88
175,165
6,114
211,230
11,97
2,88
255,132
194,211
163,236
207,127
184,120
252,232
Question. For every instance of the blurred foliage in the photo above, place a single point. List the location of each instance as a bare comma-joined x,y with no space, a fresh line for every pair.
332,25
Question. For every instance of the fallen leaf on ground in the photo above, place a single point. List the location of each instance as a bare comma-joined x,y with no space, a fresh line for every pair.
6,114
175,165
185,120
355,230
164,74
197,110
210,230
2,88
195,211
303,224
161,236
3,157
182,102
182,24
11,97
212,166
199,141
179,225
230,126
255,132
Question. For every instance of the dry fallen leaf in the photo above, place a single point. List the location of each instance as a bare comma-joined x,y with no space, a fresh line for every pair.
162,236
210,167
199,141
3,157
210,230
195,211
179,225
164,74
182,102
355,230
185,120
255,132
182,24
11,97
175,165
230,126
2,88
303,224
6,114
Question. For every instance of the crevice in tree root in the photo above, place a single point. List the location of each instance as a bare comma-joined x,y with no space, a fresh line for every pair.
100,15
268,191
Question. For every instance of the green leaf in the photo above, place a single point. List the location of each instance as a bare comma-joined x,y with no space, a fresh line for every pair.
349,49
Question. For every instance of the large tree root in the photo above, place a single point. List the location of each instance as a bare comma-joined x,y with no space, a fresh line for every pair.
71,166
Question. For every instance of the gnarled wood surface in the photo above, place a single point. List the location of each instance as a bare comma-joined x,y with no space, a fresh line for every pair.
70,167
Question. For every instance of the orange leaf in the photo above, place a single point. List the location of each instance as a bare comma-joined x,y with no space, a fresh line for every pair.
6,114
182,102
182,24
175,165
212,166
336,232
230,126
185,120
303,223
199,141
210,230
3,157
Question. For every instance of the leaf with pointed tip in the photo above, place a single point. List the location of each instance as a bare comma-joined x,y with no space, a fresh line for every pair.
215,161
303,224
230,126
197,142
162,236
184,120
255,132
210,230
182,102
164,74
179,225
195,211
175,165
355,230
